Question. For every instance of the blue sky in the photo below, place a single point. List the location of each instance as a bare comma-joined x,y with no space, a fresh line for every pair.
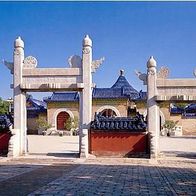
125,33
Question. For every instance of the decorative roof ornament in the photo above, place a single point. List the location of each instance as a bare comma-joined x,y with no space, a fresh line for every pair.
142,76
122,72
30,62
163,73
97,63
9,65
75,61
151,62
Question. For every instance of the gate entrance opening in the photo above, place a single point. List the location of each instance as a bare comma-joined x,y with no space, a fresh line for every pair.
62,118
28,78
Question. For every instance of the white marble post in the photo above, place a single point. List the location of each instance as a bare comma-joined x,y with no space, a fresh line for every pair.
152,108
18,141
86,96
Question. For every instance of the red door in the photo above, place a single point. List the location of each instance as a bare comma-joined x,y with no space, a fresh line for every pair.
61,120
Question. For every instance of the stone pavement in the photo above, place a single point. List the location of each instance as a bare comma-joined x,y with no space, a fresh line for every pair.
37,174
38,144
97,176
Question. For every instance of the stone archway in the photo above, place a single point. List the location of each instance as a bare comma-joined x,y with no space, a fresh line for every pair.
160,88
108,107
27,77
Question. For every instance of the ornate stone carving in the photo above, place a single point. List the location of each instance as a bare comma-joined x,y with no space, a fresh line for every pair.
151,72
30,62
86,50
142,76
163,72
75,61
194,72
9,65
97,63
17,51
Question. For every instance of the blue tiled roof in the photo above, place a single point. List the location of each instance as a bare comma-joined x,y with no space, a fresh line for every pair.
142,95
63,96
121,89
107,93
122,82
36,105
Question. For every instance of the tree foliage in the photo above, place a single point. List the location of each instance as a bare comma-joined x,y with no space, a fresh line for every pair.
43,124
170,124
71,124
4,106
181,104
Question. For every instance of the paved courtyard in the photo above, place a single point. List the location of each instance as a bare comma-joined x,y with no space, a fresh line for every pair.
53,145
172,174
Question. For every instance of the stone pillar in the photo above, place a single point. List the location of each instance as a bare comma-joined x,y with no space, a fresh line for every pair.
153,116
86,97
18,142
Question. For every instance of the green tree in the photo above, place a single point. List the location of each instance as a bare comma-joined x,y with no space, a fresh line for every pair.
71,125
181,104
4,106
169,125
43,125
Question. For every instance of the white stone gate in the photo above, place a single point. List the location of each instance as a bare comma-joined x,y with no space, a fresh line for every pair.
159,88
27,77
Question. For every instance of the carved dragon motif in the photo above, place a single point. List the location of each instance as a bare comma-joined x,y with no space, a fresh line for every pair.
9,65
163,73
97,63
142,76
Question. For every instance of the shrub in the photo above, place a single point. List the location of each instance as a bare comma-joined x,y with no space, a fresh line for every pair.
71,125
170,124
43,124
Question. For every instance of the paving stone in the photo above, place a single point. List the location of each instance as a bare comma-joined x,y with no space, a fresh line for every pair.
98,176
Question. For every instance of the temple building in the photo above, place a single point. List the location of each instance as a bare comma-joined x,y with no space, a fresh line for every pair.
121,100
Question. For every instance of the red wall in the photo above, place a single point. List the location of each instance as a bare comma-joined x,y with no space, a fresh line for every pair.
110,143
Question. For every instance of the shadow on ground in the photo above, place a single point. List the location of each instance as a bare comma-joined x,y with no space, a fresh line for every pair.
65,155
62,155
182,154
89,179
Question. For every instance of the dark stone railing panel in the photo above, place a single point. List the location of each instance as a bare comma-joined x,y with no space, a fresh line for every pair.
135,124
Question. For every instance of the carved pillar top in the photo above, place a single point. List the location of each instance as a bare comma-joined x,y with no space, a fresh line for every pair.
19,43
151,62
87,41
151,77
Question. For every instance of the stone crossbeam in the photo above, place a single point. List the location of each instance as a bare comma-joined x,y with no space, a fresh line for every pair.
52,79
50,87
52,72
176,90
